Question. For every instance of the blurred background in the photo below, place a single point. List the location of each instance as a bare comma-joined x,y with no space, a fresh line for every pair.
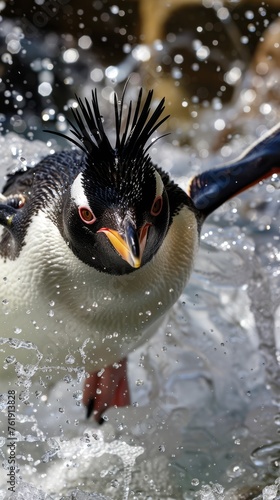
205,418
201,55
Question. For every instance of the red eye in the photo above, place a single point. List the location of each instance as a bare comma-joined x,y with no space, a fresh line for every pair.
86,215
157,206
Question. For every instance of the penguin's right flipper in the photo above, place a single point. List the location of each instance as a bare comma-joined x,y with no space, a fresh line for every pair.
214,187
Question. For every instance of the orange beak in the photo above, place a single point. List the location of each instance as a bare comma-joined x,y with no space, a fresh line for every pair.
132,246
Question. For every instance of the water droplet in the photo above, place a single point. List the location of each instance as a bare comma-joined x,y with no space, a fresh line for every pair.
194,482
78,395
69,359
10,359
7,58
45,89
277,419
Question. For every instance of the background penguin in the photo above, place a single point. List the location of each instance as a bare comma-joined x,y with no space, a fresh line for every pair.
98,243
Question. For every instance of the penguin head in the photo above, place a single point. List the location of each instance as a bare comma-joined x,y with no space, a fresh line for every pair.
116,212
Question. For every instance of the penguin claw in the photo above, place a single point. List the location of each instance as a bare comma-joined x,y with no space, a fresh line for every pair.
106,388
90,407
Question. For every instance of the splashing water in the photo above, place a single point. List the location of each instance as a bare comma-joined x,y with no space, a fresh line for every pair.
204,417
77,456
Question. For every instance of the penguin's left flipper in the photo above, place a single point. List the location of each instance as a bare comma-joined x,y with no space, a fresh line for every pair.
106,388
212,188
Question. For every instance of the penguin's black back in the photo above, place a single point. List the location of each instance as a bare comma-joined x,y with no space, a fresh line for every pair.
42,188
46,178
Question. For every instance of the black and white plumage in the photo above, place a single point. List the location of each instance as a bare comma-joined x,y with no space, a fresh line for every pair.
98,243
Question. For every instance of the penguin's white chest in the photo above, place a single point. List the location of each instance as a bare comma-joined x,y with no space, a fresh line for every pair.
72,313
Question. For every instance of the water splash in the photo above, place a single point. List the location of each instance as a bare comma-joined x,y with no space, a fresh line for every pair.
76,456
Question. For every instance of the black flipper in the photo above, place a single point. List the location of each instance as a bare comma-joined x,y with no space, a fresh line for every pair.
212,188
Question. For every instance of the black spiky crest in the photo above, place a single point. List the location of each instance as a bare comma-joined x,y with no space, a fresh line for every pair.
131,144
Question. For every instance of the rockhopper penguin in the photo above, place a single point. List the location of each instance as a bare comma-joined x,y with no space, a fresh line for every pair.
98,243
